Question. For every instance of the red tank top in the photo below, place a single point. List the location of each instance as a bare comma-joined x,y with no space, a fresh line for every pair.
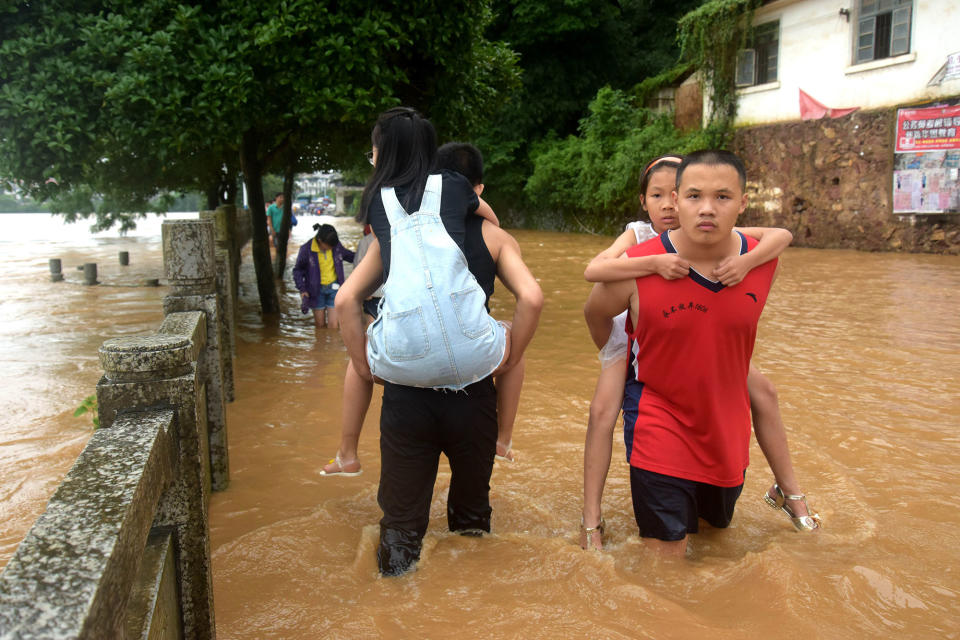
691,351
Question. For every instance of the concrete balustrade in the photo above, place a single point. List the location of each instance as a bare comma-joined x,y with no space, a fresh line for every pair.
123,550
189,260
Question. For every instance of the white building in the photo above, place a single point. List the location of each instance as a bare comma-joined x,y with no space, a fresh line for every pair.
847,53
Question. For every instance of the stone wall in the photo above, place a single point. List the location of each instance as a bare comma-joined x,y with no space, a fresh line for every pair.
123,548
830,182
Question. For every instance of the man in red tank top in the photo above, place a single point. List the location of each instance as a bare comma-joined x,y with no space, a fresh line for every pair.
691,343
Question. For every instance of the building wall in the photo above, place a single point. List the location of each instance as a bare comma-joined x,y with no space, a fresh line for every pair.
817,49
829,182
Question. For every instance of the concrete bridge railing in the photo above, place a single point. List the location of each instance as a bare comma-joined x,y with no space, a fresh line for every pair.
123,550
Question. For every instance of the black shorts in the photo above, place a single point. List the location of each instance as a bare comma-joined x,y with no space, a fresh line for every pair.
371,306
667,508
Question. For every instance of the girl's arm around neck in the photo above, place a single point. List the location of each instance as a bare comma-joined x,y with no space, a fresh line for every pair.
771,242
612,264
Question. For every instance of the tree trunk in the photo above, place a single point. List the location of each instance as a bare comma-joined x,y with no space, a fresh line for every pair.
213,195
252,176
280,263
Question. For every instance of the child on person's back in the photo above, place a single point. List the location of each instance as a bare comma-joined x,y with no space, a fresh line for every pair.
658,181
466,160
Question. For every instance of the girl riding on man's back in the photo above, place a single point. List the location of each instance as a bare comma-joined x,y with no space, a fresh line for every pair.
404,145
657,184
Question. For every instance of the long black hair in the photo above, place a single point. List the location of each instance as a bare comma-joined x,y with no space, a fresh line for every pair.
406,144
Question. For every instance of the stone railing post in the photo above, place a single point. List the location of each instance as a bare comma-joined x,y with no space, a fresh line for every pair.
227,290
160,371
189,262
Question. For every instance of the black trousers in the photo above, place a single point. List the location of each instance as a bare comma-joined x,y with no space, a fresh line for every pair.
416,426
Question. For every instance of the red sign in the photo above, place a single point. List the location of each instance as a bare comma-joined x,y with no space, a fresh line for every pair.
929,129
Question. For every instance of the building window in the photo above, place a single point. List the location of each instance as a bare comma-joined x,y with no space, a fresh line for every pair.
758,64
883,29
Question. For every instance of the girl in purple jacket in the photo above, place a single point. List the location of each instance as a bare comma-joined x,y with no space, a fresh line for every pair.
318,274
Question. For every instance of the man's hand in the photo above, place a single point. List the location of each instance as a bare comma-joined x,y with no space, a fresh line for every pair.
670,266
362,367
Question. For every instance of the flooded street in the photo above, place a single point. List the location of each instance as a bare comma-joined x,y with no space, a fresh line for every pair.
863,349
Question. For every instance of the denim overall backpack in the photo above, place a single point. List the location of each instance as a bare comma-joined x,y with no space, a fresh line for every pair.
433,329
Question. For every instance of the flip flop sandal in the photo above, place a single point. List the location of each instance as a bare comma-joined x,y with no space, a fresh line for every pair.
801,523
508,453
339,470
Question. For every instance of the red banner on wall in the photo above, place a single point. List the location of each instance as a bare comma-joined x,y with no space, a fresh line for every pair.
928,129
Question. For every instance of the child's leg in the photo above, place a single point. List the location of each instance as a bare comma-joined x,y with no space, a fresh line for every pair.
356,400
509,385
319,319
772,437
332,318
598,448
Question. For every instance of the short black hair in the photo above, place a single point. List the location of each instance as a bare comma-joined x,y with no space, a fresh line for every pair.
278,195
463,158
327,234
714,157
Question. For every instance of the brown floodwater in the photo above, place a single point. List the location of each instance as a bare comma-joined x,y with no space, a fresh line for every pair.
863,349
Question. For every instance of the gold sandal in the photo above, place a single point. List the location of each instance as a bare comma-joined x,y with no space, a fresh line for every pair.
801,523
586,535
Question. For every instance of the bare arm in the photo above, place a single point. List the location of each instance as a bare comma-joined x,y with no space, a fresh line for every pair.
485,211
517,278
611,265
771,242
606,300
361,283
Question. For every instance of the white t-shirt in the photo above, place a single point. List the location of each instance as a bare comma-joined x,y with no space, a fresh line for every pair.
615,351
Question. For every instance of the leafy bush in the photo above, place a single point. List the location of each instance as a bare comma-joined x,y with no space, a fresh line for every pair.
589,182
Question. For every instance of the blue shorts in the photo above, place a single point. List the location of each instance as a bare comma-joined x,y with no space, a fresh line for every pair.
327,295
667,508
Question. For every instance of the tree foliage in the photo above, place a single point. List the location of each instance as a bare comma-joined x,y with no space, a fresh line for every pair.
126,100
569,49
710,37
591,180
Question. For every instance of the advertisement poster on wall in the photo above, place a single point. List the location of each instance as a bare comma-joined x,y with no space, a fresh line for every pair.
927,161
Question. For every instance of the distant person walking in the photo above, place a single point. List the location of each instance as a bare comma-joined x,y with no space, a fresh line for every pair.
318,274
275,218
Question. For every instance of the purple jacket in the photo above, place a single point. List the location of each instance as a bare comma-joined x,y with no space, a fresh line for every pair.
306,272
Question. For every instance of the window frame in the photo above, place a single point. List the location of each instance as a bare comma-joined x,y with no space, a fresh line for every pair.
764,38
899,39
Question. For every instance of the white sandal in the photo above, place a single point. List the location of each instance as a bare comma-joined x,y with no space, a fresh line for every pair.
801,523
339,471
507,452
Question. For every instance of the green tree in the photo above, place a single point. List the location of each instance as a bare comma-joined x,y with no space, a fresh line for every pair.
135,99
569,49
591,179
710,37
